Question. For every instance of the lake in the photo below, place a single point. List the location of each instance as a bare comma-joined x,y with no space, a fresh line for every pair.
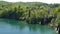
12,26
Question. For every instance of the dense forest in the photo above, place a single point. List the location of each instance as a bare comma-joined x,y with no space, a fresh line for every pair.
31,12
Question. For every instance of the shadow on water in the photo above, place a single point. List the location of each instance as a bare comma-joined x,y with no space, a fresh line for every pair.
9,21
24,28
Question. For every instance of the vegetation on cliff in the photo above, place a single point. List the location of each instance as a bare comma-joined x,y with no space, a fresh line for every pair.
31,12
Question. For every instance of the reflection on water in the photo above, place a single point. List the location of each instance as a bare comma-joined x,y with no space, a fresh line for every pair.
11,26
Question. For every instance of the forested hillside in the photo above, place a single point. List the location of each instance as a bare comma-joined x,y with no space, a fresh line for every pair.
31,12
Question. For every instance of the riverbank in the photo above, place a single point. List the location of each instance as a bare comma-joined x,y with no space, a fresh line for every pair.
31,12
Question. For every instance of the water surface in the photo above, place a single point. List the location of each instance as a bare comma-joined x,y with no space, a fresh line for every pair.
12,26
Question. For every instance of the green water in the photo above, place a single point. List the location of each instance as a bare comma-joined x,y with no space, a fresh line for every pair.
11,26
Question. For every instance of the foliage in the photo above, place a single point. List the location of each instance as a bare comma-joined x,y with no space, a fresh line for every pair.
32,12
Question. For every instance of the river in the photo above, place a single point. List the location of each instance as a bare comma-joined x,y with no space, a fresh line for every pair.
12,26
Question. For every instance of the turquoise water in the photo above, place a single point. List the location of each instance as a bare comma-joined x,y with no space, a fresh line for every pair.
11,26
